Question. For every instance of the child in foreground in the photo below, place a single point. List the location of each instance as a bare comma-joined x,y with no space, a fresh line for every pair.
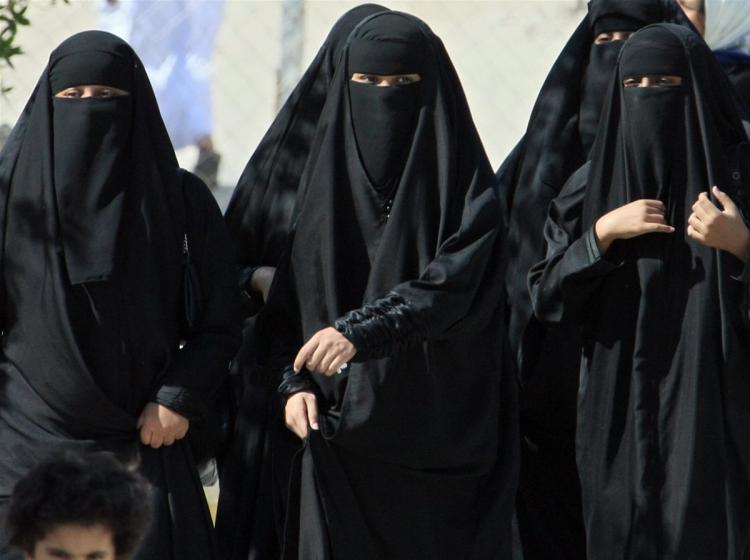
79,507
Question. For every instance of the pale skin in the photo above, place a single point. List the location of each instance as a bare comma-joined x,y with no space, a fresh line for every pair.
610,36
385,80
695,12
90,90
75,542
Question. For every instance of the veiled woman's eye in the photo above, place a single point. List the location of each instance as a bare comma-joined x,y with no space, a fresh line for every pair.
630,83
402,80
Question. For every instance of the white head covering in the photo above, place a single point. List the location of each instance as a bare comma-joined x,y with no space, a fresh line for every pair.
728,25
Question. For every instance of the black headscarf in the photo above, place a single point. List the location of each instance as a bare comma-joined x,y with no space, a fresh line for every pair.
92,218
416,267
259,214
663,435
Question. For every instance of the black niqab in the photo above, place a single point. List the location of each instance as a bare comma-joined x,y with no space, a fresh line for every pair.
383,117
663,424
408,462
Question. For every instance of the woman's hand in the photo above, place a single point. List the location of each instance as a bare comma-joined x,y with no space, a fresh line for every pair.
632,220
161,426
720,229
262,279
326,352
301,413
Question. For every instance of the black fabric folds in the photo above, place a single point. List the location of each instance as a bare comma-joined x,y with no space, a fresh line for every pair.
259,214
408,463
91,326
91,179
662,441
255,472
559,136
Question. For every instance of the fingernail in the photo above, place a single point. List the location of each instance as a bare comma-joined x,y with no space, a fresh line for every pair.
314,426
715,188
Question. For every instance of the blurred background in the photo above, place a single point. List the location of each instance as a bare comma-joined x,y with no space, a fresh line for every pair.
502,50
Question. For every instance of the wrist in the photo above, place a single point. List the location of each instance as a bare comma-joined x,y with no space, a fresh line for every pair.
602,235
741,245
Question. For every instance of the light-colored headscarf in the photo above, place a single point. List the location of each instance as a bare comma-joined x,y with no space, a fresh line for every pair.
728,25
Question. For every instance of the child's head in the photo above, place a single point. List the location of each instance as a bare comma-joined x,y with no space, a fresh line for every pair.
79,507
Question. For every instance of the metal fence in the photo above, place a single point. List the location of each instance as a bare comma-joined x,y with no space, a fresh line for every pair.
502,50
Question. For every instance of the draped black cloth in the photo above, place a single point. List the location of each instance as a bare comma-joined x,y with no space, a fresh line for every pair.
250,521
663,444
416,453
93,217
560,132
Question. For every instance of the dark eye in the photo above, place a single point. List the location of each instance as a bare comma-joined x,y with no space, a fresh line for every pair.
105,93
630,83
603,38
71,93
403,80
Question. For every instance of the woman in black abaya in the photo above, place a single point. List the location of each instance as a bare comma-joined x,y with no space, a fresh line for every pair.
249,522
393,279
95,216
655,273
559,136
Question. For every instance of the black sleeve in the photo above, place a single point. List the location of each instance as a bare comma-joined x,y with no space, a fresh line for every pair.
562,283
198,369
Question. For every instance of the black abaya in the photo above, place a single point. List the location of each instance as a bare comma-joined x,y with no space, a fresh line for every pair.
92,286
560,133
663,424
249,521
398,248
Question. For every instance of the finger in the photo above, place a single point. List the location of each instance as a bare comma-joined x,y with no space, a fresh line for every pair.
326,364
652,202
693,234
299,425
698,226
658,228
169,441
705,206
304,354
182,434
654,219
146,436
313,362
336,364
726,202
157,440
312,412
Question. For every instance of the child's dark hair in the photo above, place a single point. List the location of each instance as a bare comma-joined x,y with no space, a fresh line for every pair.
78,489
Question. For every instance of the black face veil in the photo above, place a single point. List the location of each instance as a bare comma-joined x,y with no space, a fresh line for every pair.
384,117
91,149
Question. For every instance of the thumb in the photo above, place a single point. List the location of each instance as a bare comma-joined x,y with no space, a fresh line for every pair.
726,202
312,411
